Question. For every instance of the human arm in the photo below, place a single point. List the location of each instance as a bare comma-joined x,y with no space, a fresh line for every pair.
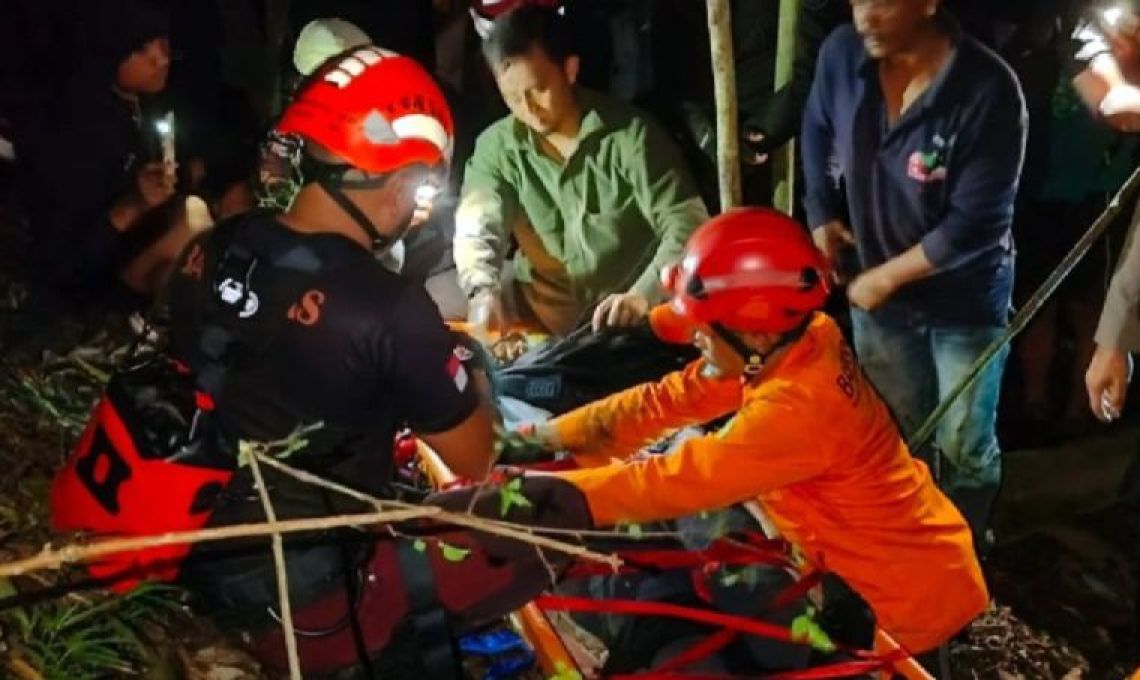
1107,56
771,120
621,424
876,285
482,220
822,199
436,392
1117,333
667,196
760,450
986,164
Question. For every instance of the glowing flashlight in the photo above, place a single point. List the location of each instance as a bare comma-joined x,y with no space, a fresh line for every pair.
424,198
165,128
1112,16
426,194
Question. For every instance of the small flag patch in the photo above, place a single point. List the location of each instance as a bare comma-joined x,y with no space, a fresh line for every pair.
457,372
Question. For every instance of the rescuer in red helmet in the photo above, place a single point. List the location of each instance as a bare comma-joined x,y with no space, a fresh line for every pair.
811,441
289,320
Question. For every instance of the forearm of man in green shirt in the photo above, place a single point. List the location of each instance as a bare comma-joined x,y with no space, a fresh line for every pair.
666,194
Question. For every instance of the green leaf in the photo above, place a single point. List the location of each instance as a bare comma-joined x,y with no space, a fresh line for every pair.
805,629
453,553
419,545
510,495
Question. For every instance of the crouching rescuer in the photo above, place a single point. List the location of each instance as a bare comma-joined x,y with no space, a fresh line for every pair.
810,440
288,321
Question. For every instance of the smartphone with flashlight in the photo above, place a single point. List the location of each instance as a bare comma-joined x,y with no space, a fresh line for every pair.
164,126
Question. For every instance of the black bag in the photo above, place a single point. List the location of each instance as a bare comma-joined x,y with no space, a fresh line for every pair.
584,367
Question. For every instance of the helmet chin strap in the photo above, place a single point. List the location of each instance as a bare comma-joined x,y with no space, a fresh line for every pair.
380,242
754,359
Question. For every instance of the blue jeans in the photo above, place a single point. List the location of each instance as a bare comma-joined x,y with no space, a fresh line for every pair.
914,366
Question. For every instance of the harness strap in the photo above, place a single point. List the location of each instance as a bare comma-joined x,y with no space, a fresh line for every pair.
435,642
380,242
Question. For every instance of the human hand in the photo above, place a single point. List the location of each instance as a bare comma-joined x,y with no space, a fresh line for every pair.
870,289
1107,380
831,238
620,310
485,313
155,183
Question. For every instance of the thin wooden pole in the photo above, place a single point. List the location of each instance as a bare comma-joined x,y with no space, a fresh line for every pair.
784,159
724,85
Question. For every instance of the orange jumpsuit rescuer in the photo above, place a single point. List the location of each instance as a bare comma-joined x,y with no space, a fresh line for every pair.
810,441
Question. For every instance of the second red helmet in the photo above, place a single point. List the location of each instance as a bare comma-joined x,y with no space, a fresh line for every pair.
749,269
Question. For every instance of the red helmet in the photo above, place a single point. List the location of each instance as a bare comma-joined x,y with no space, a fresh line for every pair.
749,269
375,109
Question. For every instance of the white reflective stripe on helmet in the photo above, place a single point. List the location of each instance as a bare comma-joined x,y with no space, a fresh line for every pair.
421,126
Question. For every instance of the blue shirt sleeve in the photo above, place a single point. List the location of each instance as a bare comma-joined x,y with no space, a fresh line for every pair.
817,139
989,153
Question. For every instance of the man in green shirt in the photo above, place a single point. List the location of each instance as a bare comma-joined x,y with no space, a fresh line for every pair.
595,195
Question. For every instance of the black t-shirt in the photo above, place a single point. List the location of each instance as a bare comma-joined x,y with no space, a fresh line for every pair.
325,335
315,331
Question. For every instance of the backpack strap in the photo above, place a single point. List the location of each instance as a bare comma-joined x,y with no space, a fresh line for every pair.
237,319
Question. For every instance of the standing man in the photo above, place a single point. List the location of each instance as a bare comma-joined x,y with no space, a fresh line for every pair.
925,128
595,195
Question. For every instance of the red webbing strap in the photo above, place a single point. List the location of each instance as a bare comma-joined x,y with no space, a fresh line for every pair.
731,625
738,624
795,591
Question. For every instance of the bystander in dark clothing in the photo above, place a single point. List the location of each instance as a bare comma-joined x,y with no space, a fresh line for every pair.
939,182
92,150
1080,162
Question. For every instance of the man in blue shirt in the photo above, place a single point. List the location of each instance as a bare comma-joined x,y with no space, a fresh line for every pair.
913,140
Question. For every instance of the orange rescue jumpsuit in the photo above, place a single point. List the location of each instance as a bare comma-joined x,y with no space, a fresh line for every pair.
815,446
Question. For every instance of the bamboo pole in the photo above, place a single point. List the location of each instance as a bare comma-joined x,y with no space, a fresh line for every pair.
278,546
784,159
724,85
